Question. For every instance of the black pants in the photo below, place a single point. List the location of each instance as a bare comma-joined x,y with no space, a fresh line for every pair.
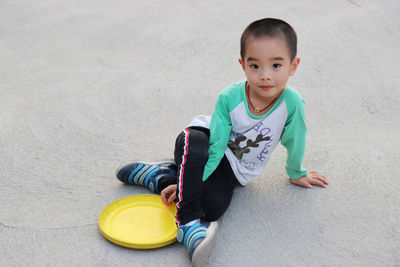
197,199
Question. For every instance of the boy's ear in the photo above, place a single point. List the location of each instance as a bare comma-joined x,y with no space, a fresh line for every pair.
241,62
294,65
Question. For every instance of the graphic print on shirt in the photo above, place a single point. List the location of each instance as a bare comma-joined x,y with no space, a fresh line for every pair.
265,132
256,149
239,151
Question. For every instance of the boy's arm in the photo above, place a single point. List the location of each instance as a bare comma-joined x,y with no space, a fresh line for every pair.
220,128
294,139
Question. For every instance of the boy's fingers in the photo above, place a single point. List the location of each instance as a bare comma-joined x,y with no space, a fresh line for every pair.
308,185
316,174
164,199
323,179
318,182
172,198
164,196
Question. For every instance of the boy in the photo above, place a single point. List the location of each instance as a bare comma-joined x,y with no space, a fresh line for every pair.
213,156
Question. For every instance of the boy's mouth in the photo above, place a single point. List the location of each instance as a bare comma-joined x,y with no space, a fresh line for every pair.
266,87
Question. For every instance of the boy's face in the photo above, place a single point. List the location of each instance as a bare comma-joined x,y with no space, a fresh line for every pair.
267,66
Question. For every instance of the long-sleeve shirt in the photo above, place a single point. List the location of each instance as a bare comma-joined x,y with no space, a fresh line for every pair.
248,140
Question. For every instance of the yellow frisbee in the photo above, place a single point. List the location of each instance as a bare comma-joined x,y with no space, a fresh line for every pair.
139,221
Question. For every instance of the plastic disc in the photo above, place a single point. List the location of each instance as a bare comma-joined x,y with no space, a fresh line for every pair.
139,221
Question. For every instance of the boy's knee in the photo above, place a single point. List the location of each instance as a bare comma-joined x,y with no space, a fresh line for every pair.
214,212
196,141
199,144
214,209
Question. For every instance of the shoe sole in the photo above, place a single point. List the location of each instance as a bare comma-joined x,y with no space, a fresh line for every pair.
202,252
120,166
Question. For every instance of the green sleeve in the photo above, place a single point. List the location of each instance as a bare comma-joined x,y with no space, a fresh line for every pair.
220,128
294,140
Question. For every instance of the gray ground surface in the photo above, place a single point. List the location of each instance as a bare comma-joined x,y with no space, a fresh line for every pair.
87,85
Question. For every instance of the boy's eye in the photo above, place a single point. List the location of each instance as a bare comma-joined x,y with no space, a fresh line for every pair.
276,66
254,66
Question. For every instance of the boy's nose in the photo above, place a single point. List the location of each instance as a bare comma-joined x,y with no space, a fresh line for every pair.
265,76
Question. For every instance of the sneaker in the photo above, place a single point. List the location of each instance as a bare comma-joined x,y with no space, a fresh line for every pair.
146,174
198,239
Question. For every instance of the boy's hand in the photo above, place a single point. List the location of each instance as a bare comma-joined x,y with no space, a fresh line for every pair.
168,195
313,177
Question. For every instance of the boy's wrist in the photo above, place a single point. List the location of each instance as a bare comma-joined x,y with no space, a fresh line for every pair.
295,175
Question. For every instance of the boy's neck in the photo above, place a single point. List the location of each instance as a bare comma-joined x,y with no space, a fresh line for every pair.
260,103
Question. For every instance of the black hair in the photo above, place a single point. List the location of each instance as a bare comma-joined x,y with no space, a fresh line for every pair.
272,28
